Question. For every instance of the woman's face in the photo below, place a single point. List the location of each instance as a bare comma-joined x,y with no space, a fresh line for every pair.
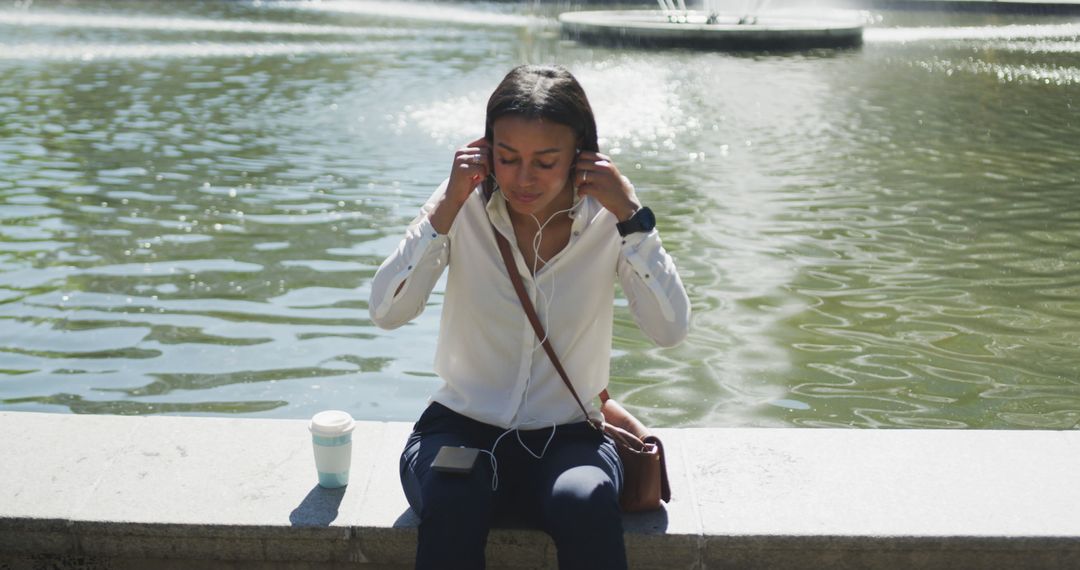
532,162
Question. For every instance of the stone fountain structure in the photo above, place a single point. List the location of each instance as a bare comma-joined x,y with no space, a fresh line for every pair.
751,26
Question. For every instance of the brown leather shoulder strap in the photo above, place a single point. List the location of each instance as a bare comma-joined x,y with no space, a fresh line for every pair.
534,319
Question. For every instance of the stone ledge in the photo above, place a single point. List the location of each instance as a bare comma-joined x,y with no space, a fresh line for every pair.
161,492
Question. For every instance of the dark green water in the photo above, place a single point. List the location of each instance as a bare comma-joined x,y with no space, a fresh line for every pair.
195,196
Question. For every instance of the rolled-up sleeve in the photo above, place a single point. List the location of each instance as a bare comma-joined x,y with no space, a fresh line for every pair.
403,283
656,295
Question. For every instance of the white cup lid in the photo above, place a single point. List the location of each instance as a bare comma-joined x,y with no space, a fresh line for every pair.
331,423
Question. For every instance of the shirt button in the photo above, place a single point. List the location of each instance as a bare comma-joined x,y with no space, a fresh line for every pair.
410,267
433,236
577,233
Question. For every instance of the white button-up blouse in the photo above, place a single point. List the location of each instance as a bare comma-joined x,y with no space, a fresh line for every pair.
493,367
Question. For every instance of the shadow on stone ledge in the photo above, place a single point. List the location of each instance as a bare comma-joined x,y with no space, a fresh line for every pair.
319,507
407,519
652,522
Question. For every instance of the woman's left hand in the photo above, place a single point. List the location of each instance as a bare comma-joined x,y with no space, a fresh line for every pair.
597,176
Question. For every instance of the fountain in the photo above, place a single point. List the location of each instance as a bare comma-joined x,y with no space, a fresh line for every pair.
745,27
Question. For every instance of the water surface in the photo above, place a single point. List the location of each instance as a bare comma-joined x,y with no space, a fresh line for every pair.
194,198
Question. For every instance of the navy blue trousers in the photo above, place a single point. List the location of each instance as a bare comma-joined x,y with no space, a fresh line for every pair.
572,492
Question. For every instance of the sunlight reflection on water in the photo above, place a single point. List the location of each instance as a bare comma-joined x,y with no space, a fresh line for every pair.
195,198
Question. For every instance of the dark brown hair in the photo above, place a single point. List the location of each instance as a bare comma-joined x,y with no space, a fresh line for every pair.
548,92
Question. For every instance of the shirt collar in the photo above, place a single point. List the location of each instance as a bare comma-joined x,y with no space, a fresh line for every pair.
500,217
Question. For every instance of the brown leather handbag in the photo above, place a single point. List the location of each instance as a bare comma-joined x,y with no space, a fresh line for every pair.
645,480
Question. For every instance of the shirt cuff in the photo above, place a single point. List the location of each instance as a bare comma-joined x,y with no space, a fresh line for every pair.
644,253
630,243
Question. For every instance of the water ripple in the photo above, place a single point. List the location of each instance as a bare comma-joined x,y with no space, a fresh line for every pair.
95,51
420,11
192,25
882,237
1023,31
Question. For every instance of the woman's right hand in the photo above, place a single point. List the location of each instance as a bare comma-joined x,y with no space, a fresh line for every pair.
471,165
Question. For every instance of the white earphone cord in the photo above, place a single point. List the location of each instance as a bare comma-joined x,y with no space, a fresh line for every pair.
537,240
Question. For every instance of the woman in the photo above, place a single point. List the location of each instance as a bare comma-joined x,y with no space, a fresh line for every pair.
574,224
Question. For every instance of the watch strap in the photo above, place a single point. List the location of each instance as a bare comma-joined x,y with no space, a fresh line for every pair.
636,222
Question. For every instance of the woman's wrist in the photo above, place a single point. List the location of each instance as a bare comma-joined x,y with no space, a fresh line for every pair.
442,217
625,210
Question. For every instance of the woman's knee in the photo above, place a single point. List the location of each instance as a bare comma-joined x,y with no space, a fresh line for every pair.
426,488
455,494
583,497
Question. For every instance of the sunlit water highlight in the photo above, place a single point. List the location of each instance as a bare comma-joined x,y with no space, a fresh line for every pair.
425,12
91,51
1008,32
184,25
194,198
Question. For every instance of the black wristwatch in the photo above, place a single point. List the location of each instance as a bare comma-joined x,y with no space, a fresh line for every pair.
643,220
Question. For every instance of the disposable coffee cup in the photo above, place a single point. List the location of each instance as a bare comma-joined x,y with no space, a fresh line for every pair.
331,436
